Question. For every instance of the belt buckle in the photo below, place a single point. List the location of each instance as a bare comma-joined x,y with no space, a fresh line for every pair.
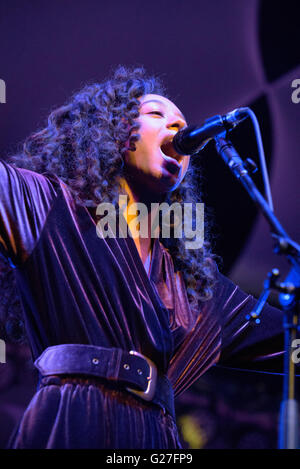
152,378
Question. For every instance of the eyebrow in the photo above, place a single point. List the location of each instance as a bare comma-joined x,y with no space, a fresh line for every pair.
161,102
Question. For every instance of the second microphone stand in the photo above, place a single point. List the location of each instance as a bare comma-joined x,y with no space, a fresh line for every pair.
290,293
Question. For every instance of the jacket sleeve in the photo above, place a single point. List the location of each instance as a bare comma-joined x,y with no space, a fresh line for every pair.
223,336
245,344
25,200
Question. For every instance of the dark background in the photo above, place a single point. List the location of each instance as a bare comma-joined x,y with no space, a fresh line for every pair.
213,56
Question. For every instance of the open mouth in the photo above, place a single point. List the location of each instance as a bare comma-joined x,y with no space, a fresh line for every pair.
169,153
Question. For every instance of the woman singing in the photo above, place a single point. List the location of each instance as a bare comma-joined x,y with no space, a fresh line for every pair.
116,324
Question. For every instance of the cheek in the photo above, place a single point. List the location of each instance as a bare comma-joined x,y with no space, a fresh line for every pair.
129,158
134,158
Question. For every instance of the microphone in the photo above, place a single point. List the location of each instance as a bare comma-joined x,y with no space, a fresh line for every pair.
193,138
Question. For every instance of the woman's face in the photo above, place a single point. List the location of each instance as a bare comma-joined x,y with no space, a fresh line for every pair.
154,165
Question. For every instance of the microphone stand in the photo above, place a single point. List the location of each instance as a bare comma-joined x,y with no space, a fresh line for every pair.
289,293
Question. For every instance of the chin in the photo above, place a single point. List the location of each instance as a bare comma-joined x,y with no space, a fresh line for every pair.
171,184
167,186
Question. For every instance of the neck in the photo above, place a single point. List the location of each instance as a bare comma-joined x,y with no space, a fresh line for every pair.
138,195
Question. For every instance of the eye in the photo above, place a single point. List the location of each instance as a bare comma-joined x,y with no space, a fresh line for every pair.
158,113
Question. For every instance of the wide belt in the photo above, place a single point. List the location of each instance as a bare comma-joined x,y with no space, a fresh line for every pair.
137,373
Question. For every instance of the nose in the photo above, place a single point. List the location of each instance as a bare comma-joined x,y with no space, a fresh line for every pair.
176,123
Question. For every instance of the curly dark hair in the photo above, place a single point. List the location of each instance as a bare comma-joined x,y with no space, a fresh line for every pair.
84,144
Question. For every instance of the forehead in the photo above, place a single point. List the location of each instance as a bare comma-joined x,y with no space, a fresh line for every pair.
165,102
